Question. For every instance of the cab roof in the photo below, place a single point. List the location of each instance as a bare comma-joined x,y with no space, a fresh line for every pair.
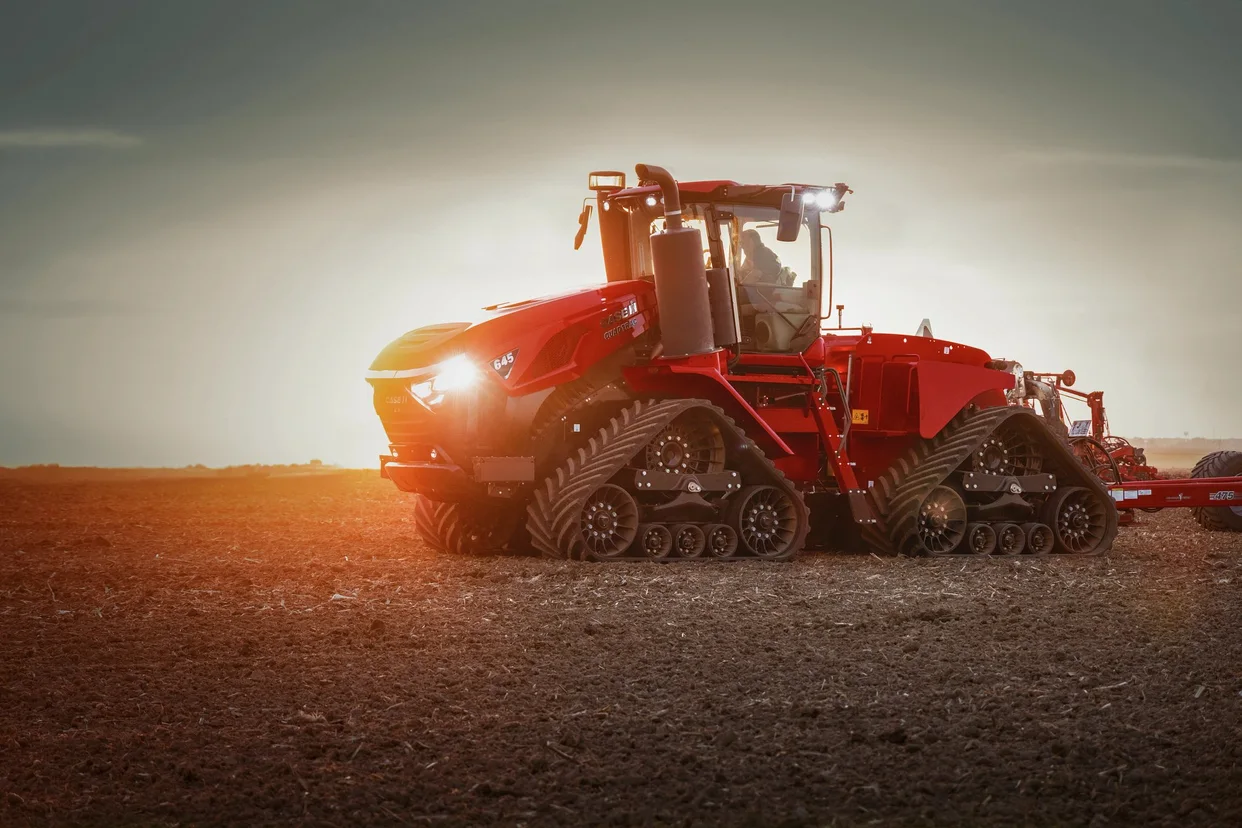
720,190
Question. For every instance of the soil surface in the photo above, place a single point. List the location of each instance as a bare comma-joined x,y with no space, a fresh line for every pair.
284,650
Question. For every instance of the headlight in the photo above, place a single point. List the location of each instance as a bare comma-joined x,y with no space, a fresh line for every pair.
455,374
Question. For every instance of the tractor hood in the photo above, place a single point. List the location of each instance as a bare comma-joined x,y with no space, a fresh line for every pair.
529,345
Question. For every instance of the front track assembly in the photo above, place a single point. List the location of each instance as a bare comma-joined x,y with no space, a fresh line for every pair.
668,480
993,481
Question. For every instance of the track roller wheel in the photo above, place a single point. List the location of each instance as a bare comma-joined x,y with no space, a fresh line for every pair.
689,540
1010,539
1078,520
655,541
942,522
980,539
1039,538
721,540
766,519
609,522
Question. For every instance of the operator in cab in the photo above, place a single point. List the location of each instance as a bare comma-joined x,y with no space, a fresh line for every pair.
760,265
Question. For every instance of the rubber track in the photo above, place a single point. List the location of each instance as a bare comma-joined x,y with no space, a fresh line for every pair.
1213,518
554,513
901,490
454,528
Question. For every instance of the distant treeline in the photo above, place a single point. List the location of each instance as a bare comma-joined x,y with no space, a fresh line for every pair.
59,472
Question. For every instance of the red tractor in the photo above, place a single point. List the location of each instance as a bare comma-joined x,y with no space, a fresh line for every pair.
699,405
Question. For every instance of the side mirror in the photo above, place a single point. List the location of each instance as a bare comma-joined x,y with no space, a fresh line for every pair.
791,218
583,218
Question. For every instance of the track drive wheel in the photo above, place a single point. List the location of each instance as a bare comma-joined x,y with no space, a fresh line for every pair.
1079,521
690,444
1219,518
463,528
767,522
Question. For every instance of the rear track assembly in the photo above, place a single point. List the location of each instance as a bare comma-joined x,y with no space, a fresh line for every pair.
935,500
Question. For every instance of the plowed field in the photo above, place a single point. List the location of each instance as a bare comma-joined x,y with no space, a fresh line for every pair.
285,650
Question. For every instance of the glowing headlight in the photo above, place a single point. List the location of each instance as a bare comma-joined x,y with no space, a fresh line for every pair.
453,374
827,199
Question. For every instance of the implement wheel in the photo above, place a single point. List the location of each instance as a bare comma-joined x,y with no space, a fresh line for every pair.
1220,518
1096,458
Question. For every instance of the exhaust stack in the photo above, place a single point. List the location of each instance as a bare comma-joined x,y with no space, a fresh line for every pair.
680,276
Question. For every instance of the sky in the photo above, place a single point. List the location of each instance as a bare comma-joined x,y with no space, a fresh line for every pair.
213,215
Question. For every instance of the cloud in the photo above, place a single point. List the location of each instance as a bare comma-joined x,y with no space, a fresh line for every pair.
67,138
1126,160
67,308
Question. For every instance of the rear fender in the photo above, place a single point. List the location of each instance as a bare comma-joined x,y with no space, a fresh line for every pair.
678,380
945,388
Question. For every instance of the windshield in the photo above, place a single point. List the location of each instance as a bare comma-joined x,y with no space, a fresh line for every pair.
778,283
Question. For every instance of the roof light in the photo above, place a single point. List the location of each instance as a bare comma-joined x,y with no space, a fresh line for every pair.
651,201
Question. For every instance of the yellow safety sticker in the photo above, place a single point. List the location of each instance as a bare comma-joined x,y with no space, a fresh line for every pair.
862,416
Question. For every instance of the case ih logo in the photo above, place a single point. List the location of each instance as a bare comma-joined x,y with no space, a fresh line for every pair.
1222,495
503,364
627,316
630,309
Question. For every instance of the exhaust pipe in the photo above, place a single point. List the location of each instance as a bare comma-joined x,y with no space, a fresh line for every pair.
680,275
668,188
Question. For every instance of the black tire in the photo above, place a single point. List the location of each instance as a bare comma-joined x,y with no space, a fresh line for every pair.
463,528
1219,518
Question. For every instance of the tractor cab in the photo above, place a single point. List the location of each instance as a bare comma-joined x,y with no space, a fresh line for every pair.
770,239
